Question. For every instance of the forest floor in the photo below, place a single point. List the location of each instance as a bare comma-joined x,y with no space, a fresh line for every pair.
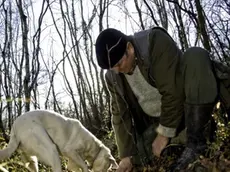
217,158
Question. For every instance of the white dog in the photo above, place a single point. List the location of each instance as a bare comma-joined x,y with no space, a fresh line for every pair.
44,135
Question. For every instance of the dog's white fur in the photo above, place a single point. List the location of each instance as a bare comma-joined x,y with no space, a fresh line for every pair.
46,134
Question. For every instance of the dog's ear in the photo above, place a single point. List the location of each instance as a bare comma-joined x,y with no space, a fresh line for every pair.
113,163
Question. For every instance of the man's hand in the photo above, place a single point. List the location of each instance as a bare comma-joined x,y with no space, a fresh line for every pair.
159,144
125,165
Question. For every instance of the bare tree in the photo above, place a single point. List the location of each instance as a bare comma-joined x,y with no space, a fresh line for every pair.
178,19
19,60
6,53
202,25
32,64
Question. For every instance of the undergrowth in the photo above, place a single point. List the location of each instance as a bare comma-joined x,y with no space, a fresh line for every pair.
216,159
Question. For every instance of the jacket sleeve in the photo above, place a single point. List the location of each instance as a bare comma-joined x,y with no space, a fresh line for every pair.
121,121
164,70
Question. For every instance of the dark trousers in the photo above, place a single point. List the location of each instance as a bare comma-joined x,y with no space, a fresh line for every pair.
200,84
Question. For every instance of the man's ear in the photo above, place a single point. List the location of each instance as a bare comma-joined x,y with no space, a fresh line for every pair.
130,48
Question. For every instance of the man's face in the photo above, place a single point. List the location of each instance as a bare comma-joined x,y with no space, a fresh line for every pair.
127,63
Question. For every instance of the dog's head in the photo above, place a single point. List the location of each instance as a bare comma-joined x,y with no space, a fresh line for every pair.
104,161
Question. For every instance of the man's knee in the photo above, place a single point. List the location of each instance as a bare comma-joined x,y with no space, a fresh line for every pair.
196,55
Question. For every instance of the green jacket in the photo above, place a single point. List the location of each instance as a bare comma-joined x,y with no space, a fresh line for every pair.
159,62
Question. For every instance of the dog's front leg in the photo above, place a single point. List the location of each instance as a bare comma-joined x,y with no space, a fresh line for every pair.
76,162
73,167
30,162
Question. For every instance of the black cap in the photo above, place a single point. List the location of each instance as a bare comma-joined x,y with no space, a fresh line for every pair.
114,41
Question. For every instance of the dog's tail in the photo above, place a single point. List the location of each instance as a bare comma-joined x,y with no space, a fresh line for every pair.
11,147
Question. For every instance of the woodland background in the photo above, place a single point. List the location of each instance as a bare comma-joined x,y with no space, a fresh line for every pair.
47,56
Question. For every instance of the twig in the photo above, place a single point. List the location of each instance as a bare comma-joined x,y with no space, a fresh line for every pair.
2,168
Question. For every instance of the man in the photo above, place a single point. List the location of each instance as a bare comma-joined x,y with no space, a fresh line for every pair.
185,81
